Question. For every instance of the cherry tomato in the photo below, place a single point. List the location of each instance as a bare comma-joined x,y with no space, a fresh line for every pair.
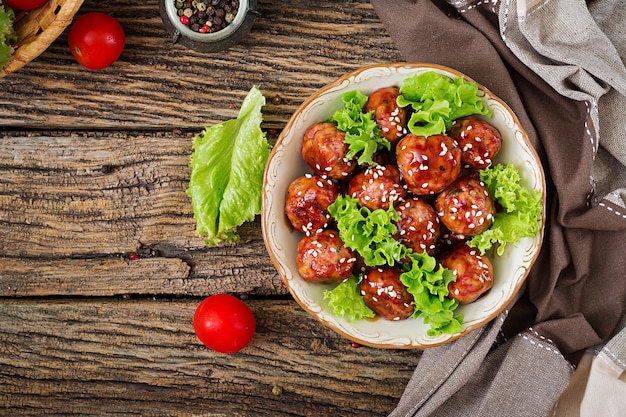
25,4
224,323
96,40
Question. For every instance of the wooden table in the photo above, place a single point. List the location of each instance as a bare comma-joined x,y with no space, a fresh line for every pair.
100,267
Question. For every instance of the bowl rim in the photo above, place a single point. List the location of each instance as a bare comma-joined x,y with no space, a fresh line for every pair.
515,294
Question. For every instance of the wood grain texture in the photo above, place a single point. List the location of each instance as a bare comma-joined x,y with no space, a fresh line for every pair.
293,49
100,267
141,357
75,206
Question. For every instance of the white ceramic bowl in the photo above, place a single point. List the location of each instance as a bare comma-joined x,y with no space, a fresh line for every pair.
285,164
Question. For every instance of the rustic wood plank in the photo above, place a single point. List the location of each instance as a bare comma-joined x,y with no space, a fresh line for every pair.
94,356
74,207
94,193
293,49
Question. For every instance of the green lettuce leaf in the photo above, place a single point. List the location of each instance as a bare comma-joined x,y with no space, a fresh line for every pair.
362,133
227,172
7,34
368,232
428,282
346,300
522,209
438,100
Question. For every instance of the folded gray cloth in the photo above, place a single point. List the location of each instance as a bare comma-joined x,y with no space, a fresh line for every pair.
559,64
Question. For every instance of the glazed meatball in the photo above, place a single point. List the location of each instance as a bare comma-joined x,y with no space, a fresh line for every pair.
322,258
418,226
390,118
428,164
449,239
479,141
474,273
465,207
377,186
324,151
307,201
383,292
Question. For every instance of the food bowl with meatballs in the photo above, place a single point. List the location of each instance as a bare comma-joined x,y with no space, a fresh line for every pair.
403,205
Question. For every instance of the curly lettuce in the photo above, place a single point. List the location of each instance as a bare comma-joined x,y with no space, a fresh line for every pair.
227,172
8,37
370,234
346,300
437,100
428,282
521,209
362,132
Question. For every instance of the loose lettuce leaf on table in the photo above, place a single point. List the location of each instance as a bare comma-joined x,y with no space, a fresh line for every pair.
227,172
7,34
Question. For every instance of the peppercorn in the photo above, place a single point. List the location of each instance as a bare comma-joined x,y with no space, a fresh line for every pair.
206,16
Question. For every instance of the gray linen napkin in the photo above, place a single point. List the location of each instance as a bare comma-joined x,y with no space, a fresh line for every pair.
559,65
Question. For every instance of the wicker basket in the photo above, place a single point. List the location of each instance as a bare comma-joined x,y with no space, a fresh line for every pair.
37,29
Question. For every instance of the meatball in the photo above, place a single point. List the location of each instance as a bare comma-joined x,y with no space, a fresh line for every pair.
377,186
390,118
322,258
428,164
474,273
479,141
465,207
385,294
307,201
324,151
418,226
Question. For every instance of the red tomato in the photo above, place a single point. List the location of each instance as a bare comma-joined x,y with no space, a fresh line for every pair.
224,323
96,40
25,4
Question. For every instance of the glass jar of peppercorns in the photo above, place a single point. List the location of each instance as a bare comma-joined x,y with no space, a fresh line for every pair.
208,25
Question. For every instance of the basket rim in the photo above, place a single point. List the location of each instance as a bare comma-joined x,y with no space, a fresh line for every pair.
26,52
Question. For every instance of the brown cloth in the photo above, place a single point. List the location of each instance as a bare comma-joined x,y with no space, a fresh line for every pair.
575,295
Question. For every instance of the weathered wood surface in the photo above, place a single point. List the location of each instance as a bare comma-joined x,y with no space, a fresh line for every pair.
77,205
141,357
294,48
93,171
